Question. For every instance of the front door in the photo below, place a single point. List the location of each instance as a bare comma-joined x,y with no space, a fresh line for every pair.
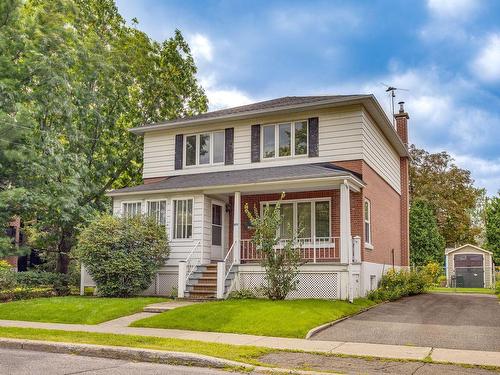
217,231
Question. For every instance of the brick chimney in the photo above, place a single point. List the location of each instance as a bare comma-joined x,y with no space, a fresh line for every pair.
402,123
402,130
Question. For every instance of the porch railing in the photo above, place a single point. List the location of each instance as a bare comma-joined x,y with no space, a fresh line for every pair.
223,271
319,249
187,267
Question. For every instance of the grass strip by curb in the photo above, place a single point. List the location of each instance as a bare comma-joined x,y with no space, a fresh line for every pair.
237,353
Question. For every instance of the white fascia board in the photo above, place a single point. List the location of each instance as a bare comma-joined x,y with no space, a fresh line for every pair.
323,182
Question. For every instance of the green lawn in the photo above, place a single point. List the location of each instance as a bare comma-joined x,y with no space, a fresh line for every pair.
461,290
247,354
291,318
83,310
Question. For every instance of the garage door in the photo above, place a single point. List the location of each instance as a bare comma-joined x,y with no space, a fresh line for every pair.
469,270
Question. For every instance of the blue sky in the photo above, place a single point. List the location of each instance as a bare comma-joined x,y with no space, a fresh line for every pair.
445,52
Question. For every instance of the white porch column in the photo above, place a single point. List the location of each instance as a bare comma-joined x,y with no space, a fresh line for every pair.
221,279
345,224
237,226
181,285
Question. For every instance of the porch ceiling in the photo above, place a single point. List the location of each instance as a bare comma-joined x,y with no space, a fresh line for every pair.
311,176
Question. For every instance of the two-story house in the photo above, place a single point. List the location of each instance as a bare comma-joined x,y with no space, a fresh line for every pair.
341,163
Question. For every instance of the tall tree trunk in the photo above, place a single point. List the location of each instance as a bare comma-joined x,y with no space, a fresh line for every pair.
64,248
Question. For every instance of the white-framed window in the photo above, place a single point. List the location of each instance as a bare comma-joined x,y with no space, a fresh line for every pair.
131,209
158,210
368,223
204,148
182,218
284,139
311,216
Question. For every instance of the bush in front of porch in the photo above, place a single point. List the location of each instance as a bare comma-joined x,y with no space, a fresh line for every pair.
122,254
286,318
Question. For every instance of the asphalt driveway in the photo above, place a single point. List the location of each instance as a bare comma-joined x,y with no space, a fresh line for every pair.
437,320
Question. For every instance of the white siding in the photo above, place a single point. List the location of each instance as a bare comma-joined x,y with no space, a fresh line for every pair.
346,133
379,154
340,130
179,249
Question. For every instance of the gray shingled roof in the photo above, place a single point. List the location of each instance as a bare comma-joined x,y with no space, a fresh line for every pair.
268,104
242,177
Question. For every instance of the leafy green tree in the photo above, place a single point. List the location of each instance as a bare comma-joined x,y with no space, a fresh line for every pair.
449,191
123,254
281,266
493,227
426,243
74,77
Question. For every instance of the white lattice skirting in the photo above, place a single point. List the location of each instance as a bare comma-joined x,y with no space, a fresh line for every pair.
164,284
311,284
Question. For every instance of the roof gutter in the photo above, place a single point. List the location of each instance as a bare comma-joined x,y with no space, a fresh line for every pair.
354,183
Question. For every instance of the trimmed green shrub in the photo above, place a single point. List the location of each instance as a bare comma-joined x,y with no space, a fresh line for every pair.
396,284
123,254
7,276
58,281
25,293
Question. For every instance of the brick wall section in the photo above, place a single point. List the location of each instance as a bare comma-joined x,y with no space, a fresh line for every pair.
385,217
402,130
334,195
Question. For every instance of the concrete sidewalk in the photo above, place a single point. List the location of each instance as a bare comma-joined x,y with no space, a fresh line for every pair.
332,347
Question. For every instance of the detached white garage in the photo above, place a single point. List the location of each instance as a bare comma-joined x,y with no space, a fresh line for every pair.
469,266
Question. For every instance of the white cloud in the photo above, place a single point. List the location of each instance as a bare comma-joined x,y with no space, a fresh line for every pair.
487,63
201,47
220,97
485,172
452,8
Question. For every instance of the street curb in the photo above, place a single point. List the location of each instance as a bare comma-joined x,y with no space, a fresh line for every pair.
142,355
322,327
124,353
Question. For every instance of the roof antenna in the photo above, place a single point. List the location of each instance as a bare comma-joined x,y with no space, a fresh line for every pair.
391,89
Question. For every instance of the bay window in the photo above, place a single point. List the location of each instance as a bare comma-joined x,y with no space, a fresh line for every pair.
182,218
131,209
204,148
158,211
285,139
307,218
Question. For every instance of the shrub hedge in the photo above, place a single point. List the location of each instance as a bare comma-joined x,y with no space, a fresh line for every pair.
26,293
396,284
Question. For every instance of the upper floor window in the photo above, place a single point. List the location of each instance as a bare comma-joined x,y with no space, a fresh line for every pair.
158,210
131,209
285,139
204,148
368,224
183,218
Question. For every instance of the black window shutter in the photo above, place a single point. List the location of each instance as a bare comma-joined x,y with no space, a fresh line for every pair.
179,152
313,129
229,146
255,148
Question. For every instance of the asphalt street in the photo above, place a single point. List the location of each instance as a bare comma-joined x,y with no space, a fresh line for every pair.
24,362
436,320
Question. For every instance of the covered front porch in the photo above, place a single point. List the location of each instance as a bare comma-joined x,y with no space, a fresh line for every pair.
323,210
